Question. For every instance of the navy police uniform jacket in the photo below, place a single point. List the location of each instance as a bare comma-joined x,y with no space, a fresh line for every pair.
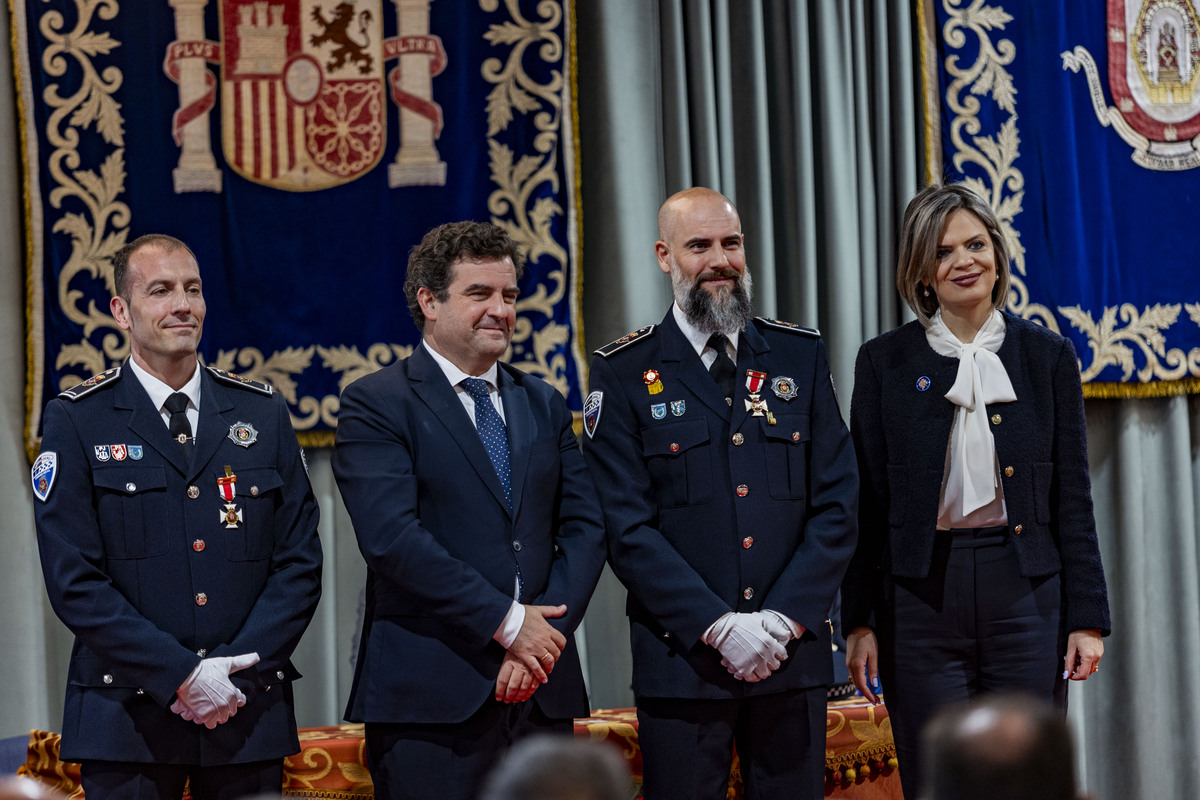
443,550
710,508
140,564
900,421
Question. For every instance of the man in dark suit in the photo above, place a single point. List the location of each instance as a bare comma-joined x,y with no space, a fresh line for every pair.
480,527
187,566
729,487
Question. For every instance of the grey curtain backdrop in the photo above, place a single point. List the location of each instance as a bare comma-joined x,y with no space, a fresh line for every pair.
805,114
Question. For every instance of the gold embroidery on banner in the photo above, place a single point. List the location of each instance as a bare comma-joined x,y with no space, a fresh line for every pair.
101,225
1110,345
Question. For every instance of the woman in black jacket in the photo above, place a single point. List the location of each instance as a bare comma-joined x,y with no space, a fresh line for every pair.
977,568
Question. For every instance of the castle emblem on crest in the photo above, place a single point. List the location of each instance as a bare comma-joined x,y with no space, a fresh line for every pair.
303,93
1154,80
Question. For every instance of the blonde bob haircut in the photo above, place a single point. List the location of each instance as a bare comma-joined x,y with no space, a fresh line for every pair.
920,234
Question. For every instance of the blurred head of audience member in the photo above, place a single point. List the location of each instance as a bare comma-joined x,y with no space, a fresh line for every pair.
28,789
999,747
560,768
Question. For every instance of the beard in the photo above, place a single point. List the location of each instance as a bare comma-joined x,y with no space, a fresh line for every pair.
725,312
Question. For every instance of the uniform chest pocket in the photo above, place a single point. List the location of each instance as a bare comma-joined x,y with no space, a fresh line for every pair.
131,505
786,451
259,494
679,462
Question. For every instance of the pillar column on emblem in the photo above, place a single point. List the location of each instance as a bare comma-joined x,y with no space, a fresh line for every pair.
197,170
417,161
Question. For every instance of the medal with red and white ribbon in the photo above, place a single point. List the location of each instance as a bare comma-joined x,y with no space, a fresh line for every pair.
231,515
754,380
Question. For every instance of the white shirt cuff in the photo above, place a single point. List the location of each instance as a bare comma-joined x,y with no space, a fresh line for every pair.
506,634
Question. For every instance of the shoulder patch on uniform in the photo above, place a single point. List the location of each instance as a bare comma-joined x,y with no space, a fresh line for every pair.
44,471
92,384
625,341
238,380
780,325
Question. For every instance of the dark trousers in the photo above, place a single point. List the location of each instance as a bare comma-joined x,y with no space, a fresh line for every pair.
973,626
450,761
121,780
687,745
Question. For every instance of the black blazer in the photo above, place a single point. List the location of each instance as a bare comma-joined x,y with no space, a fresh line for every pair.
901,432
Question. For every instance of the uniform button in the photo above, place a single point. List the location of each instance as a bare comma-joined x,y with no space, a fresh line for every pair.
1017,530
107,679
201,599
254,491
728,401
193,492
279,674
1008,472
795,436
995,419
748,542
517,545
131,487
674,447
748,592
141,691
738,438
202,652
667,635
743,490
198,545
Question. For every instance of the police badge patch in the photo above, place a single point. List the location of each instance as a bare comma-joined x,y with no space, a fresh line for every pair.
45,470
591,412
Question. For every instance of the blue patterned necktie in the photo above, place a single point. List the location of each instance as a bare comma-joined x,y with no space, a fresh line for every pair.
491,431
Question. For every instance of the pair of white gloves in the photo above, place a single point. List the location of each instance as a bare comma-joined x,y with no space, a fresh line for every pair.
208,697
751,644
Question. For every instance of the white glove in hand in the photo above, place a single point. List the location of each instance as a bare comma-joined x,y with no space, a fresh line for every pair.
208,697
774,625
747,650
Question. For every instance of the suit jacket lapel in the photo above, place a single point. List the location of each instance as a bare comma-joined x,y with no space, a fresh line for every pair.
688,368
752,348
212,428
430,384
518,418
146,421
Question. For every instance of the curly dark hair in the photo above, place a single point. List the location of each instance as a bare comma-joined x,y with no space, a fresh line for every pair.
431,263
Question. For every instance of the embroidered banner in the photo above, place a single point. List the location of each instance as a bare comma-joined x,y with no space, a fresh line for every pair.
1080,122
301,148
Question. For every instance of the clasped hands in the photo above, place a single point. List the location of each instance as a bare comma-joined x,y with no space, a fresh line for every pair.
532,655
751,644
208,697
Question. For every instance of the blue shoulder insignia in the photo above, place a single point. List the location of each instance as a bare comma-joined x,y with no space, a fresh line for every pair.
92,384
238,380
625,341
792,327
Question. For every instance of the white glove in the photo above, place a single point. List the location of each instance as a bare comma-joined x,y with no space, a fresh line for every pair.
775,625
747,650
208,697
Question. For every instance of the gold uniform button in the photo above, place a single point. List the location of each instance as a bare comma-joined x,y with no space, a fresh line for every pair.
1017,530
193,492
674,447
201,599
738,438
743,490
748,592
198,545
1008,472
995,419
748,542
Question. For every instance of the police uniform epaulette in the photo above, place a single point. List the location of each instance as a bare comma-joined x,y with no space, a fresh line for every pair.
92,384
238,380
780,325
625,341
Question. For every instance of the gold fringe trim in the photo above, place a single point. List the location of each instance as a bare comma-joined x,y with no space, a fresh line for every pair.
575,303
1131,391
18,43
932,104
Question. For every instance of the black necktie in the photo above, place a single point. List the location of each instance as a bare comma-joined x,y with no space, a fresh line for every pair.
178,425
722,368
491,431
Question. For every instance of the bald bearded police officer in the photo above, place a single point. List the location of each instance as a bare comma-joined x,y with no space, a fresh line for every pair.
729,487
178,539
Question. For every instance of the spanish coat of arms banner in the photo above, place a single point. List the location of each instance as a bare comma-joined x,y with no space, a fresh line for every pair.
301,148
1080,123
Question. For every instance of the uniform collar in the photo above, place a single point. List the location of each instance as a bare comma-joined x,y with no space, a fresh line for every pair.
159,391
455,375
697,338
